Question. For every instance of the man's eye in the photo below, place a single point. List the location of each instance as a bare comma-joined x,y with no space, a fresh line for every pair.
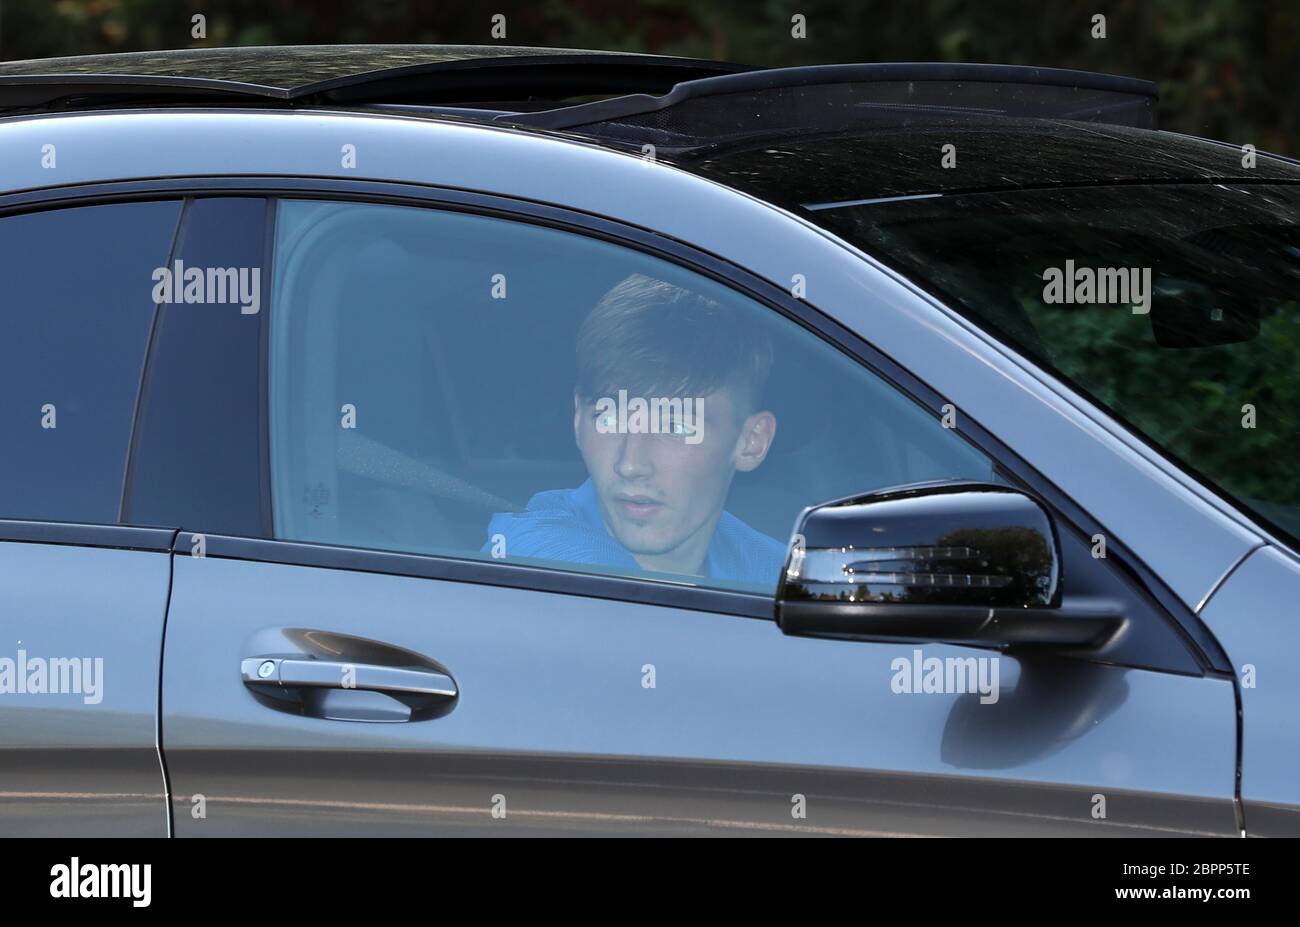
680,429
605,421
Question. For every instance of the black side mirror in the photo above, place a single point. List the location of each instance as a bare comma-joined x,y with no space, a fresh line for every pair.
958,562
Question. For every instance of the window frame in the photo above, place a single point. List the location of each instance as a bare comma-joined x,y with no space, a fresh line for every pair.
159,378
1204,648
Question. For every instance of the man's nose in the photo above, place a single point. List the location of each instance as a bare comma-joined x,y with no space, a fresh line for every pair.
634,457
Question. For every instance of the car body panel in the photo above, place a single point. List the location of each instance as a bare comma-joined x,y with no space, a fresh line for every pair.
1254,616
71,767
554,716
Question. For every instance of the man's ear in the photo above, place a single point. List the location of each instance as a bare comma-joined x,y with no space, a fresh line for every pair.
756,437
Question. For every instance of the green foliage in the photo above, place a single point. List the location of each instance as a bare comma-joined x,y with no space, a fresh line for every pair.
1190,401
1225,67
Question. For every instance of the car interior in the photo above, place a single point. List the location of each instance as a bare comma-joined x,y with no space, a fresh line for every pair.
464,400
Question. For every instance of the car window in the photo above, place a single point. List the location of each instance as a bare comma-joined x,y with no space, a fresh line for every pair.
455,384
76,317
1174,306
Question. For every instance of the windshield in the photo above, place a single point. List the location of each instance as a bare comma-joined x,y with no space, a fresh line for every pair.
1172,305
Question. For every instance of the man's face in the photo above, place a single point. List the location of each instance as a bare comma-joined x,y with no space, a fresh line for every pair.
660,495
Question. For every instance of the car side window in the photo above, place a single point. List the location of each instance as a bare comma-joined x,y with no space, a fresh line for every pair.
456,384
76,317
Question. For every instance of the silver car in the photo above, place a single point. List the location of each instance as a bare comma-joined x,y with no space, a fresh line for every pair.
448,440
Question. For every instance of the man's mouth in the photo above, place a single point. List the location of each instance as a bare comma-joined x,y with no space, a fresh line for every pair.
636,506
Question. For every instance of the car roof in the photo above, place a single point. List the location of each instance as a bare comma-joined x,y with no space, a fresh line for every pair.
818,172
803,137
281,66
349,75
689,91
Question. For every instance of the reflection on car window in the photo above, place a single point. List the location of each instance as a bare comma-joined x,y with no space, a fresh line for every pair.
666,411
1175,306
460,385
76,319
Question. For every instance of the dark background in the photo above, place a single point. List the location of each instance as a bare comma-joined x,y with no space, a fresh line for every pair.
1227,69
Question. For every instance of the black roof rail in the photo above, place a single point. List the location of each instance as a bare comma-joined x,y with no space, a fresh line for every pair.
532,77
777,101
41,91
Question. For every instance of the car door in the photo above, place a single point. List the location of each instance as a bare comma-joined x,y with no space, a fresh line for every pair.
82,596
408,611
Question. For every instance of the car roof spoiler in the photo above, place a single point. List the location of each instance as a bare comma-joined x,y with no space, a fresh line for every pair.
828,98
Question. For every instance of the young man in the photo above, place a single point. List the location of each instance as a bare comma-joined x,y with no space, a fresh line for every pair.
666,410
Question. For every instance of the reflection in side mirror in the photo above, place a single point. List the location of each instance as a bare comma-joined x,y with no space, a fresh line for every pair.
959,562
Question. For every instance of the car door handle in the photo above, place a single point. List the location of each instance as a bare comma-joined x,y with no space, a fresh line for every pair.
292,672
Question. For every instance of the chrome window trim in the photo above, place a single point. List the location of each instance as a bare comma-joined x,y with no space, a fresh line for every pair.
80,534
482,572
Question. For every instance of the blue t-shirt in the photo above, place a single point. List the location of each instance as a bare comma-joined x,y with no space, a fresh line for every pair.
566,525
